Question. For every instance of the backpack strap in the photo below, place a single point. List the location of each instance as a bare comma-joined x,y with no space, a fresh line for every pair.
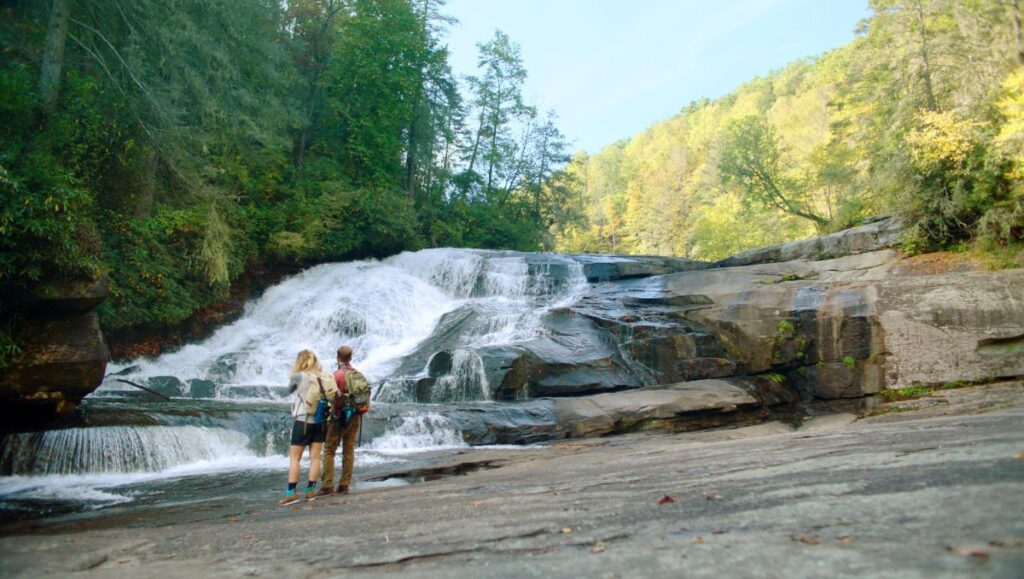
343,387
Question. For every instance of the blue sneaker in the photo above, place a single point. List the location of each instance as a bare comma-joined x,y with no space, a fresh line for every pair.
290,498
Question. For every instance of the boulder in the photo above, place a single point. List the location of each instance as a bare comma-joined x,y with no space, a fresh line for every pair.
202,388
65,354
663,408
965,326
71,295
64,359
167,385
880,233
603,268
575,357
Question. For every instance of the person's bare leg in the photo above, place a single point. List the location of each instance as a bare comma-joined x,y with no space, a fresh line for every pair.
294,457
314,461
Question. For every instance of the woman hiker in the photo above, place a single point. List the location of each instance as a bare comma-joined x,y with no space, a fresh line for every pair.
309,384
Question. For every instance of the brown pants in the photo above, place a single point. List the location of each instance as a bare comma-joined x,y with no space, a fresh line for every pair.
347,436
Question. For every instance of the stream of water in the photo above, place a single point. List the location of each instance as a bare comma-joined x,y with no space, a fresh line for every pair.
229,415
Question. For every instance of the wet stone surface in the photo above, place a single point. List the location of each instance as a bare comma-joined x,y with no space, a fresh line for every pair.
913,493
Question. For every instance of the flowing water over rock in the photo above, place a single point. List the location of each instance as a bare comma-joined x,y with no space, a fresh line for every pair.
468,347
416,322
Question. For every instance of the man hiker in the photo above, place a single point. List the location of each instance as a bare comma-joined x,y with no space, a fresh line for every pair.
344,430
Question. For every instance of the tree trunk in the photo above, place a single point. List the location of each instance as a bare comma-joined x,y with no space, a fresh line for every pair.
926,73
417,106
476,142
540,175
53,57
410,155
494,141
1018,35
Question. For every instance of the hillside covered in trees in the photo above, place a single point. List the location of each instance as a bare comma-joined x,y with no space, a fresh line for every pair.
922,115
175,144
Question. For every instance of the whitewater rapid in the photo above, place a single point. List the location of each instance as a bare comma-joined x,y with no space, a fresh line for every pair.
383,309
389,311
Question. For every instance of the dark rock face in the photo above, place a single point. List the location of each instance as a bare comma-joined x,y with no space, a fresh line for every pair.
602,268
64,356
202,389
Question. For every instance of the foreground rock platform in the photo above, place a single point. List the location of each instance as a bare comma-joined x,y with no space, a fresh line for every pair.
931,488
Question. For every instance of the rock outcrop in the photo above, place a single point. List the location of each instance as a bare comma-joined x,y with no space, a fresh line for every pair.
827,329
880,233
64,355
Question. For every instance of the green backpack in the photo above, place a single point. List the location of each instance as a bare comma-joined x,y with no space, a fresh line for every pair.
356,389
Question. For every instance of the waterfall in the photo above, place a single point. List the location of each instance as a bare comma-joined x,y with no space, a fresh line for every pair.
228,411
391,312
117,449
466,380
418,432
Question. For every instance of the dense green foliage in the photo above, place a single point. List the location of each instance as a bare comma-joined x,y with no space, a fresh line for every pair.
922,115
175,144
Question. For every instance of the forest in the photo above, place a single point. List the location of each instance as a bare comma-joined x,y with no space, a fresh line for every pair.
922,116
176,146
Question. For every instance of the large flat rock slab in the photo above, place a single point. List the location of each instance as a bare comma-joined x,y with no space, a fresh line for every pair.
621,411
952,327
917,497
879,234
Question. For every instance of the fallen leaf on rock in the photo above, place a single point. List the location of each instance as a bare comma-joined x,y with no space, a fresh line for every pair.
1020,456
598,548
667,499
719,532
232,519
846,538
698,540
249,536
970,551
477,503
566,530
808,540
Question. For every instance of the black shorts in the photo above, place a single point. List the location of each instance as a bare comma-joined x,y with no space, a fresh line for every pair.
306,433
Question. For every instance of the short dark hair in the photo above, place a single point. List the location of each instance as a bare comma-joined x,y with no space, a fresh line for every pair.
344,354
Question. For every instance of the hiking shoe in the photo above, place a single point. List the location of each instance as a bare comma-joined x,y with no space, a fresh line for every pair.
343,490
325,491
312,494
289,498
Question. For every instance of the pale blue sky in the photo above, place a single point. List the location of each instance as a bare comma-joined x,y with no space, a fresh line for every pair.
611,68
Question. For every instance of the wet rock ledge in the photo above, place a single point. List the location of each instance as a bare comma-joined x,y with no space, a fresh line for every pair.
64,355
827,322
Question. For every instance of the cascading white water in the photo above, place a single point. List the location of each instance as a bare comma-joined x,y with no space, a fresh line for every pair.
117,449
392,312
417,432
466,380
384,310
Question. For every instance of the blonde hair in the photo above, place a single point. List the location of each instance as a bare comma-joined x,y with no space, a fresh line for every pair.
306,362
